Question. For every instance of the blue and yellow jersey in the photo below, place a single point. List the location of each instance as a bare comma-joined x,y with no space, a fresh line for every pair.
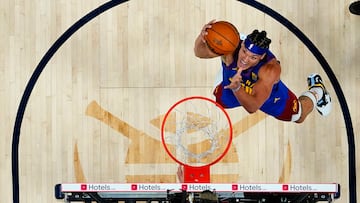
274,105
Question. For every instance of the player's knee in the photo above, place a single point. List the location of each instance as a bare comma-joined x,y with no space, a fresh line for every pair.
300,120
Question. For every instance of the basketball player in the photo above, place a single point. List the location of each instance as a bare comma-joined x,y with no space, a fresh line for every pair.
251,79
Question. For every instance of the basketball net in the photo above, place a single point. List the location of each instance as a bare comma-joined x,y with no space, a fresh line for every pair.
196,133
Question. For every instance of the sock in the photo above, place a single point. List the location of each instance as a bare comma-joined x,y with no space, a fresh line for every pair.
318,92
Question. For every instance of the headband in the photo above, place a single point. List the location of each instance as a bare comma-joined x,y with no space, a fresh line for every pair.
253,48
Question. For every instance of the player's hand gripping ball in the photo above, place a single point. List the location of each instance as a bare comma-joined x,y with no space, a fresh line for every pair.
222,37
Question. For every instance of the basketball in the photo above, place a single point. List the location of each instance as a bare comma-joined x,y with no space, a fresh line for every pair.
222,37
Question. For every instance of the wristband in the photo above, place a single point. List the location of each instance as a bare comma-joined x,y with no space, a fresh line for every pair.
236,89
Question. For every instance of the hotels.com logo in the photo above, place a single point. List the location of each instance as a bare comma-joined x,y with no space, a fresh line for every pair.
94,187
300,188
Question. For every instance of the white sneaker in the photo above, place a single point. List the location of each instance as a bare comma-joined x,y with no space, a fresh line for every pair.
323,105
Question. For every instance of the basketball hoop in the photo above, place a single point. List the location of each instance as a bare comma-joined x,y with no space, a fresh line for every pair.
196,133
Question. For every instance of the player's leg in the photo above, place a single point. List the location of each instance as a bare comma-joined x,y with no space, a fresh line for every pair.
306,106
323,99
316,97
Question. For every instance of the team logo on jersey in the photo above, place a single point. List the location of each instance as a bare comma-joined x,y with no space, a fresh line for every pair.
248,86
